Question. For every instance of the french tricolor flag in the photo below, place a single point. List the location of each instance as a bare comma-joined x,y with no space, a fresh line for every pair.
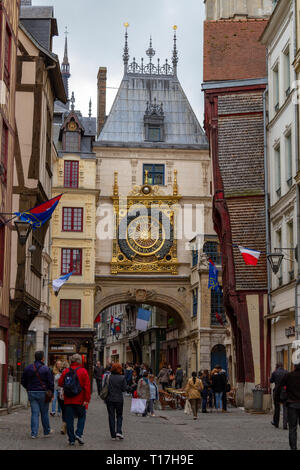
251,257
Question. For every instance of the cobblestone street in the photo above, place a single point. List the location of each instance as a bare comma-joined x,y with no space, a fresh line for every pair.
169,430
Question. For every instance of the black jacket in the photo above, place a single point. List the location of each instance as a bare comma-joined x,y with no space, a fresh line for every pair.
292,382
98,372
117,385
219,383
31,382
277,377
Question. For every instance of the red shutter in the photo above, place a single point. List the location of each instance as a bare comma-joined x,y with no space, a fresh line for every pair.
7,56
70,313
4,151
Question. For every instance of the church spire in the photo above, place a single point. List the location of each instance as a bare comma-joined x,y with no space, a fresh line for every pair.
126,49
65,66
175,52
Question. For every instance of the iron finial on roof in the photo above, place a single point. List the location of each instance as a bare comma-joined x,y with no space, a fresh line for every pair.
90,108
126,49
73,101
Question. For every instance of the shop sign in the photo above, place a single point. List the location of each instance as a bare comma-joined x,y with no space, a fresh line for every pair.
114,352
68,348
290,331
128,349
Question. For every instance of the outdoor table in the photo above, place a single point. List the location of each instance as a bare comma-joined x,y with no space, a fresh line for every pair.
179,395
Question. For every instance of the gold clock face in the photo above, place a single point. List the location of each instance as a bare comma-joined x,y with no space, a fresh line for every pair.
145,235
72,126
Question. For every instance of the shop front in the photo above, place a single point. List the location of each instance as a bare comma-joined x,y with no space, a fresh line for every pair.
63,343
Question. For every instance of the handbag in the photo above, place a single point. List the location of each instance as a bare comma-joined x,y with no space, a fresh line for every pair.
138,405
187,408
283,395
48,393
228,388
104,391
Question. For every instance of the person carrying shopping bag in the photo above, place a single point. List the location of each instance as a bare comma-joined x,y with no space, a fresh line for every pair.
194,388
115,400
143,390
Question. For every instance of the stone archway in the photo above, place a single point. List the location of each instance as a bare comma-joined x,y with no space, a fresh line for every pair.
171,295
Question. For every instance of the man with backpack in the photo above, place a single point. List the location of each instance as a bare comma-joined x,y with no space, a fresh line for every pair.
77,394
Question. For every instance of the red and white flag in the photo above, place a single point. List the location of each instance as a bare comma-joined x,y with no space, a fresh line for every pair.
251,257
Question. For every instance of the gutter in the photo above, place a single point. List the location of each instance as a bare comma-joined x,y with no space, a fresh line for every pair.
297,250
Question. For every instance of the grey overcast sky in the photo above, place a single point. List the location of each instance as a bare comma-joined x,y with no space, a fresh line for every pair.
96,38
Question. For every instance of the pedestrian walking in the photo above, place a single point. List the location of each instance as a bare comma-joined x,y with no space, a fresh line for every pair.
218,386
291,382
206,389
193,389
38,381
115,401
134,383
60,399
163,377
143,390
56,373
276,379
128,374
179,377
77,394
171,375
227,389
153,395
98,376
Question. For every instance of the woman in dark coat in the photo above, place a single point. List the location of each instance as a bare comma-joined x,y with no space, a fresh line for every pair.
115,401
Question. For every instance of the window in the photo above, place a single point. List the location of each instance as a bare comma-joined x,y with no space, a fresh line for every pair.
4,152
49,143
154,134
72,142
71,260
195,257
288,148
212,251
217,308
287,71
70,313
278,246
290,234
195,302
72,219
277,172
7,57
156,174
38,237
71,174
276,87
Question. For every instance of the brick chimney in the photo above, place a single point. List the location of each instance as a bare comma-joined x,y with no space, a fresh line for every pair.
102,74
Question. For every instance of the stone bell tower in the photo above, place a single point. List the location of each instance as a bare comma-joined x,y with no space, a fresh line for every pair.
231,9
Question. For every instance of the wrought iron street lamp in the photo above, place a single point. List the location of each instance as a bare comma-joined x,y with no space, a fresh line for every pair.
275,260
23,230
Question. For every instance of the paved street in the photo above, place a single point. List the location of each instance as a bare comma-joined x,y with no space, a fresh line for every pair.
169,430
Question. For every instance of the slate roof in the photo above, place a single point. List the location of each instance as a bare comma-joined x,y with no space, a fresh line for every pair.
125,123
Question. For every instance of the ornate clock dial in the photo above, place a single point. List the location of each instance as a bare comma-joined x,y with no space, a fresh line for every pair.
72,126
145,235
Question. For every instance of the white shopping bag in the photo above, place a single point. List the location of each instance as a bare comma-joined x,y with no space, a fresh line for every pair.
138,405
188,408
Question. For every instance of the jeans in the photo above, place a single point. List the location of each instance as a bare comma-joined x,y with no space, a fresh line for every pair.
62,407
115,413
178,384
218,398
72,411
150,406
293,420
276,417
54,403
99,385
39,406
204,399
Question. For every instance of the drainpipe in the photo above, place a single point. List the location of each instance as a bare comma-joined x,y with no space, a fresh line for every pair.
296,108
268,244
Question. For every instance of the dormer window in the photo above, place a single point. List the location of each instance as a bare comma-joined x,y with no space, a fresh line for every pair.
154,122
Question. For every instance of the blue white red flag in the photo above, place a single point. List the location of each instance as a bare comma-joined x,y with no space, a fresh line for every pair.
251,257
39,214
142,319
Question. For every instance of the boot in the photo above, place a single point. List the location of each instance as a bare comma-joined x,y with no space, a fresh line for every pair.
63,429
